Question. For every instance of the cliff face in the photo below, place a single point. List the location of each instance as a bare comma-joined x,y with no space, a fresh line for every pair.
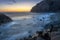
4,19
47,6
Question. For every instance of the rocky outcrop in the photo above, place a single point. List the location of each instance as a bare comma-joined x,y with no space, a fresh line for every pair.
4,19
47,6
51,31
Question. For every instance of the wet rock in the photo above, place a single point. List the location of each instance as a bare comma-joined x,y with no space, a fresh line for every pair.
4,19
54,30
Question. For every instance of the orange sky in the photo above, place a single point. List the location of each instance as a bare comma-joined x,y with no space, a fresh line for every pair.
17,5
16,8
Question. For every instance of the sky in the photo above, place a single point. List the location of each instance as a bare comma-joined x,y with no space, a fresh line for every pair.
17,5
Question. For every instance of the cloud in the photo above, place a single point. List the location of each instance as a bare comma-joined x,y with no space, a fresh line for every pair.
12,2
7,1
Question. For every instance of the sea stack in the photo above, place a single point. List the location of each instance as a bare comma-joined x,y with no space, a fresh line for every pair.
47,6
4,19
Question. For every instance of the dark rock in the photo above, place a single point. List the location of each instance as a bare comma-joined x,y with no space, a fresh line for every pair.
4,19
47,6
45,36
55,26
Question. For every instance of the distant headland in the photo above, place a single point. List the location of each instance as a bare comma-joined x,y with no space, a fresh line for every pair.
47,6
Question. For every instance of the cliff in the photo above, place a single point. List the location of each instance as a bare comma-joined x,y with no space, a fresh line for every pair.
47,6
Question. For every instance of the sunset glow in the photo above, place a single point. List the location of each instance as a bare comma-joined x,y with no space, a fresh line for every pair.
16,9
17,5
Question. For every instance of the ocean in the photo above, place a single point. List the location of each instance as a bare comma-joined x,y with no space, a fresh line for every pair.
23,25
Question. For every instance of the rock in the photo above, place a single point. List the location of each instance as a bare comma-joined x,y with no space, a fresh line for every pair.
4,19
54,30
54,23
47,6
55,35
40,7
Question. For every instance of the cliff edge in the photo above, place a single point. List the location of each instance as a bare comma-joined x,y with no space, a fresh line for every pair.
47,6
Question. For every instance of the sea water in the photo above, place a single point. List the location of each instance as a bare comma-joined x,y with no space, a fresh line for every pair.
23,25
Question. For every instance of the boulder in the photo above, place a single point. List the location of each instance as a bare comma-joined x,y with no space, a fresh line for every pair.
4,19
47,6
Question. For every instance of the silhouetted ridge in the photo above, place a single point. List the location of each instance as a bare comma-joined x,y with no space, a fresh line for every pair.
47,6
4,19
